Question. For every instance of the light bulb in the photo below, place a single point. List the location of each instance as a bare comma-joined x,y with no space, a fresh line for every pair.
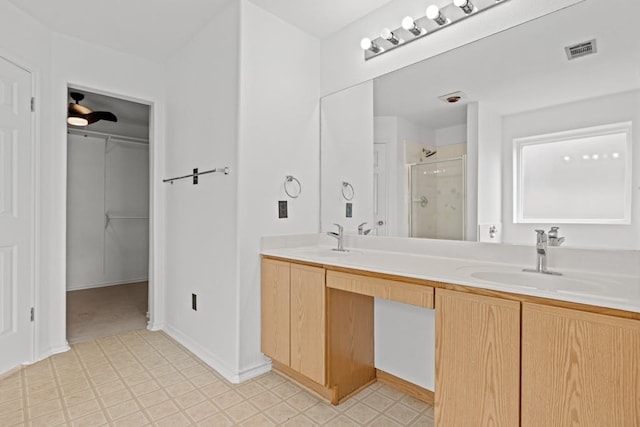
388,35
407,23
77,121
433,12
465,5
367,44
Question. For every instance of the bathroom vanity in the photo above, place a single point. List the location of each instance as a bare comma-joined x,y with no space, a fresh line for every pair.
512,348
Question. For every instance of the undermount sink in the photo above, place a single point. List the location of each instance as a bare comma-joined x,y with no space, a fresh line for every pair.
546,282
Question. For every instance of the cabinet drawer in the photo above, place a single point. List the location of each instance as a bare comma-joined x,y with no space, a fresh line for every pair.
408,293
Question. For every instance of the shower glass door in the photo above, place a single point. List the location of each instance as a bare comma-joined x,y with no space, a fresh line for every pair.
438,194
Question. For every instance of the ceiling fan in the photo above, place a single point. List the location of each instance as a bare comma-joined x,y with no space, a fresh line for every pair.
79,115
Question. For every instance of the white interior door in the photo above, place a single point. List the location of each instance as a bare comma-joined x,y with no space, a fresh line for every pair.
380,211
16,216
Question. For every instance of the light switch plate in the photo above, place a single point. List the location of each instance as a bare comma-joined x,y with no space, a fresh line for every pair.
282,209
349,212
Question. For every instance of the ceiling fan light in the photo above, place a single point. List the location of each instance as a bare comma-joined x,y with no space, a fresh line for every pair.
77,121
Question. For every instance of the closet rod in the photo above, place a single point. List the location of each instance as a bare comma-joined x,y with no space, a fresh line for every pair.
119,138
196,174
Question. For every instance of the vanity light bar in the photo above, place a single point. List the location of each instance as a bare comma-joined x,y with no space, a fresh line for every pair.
434,19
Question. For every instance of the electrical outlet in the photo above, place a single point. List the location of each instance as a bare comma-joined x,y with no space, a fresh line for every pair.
282,209
194,302
349,210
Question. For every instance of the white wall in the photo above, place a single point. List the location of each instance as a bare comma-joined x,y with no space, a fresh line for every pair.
201,220
451,135
591,112
279,136
343,63
101,70
347,155
489,173
404,340
100,254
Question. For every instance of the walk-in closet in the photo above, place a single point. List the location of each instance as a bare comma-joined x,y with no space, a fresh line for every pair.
107,215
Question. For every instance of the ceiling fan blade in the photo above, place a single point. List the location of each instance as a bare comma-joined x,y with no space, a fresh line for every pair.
100,115
77,109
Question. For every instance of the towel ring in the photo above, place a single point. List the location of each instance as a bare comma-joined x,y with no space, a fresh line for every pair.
346,186
292,194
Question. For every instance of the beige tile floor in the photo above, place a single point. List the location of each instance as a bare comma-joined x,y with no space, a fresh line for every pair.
145,378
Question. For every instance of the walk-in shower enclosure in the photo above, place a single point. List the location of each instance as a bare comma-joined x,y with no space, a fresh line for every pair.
437,199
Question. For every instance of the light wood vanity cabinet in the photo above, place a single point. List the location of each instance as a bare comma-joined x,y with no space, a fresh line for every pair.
308,331
477,360
275,310
510,362
501,359
317,324
579,368
293,317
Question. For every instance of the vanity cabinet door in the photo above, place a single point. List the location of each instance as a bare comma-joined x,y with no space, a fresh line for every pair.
477,360
275,309
579,368
308,324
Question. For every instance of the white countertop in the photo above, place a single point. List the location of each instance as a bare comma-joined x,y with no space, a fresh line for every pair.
605,290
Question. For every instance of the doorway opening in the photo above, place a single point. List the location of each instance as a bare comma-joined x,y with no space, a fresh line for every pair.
108,192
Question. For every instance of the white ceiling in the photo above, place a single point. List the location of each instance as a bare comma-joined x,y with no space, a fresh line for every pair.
154,29
521,69
151,29
320,18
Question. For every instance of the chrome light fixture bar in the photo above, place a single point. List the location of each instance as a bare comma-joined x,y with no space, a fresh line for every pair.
434,19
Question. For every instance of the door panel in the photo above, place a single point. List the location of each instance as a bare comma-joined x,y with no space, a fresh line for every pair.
380,189
16,216
308,316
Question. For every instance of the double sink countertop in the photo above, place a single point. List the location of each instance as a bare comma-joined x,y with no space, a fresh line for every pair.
603,289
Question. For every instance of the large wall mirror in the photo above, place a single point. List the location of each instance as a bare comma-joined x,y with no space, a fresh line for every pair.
421,165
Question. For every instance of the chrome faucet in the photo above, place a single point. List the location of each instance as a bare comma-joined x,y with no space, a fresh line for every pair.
339,235
362,231
541,250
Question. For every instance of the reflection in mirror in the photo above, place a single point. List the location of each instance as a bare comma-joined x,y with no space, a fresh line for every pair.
436,189
524,82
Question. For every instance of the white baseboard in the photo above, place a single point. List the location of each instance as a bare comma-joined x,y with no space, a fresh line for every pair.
157,326
104,285
213,361
202,353
255,371
51,351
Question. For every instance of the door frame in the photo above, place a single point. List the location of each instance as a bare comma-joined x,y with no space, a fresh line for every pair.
153,300
35,193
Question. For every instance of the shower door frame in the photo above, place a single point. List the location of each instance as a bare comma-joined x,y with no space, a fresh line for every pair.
463,159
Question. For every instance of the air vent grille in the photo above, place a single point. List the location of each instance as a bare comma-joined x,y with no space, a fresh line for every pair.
581,49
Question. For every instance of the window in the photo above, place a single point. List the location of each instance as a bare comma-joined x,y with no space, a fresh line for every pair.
581,176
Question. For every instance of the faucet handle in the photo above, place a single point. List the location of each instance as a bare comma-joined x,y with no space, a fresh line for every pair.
554,240
541,237
361,228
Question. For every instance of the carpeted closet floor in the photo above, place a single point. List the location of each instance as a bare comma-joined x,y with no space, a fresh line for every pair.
101,312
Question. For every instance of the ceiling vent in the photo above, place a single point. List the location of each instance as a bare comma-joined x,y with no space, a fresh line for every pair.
581,49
